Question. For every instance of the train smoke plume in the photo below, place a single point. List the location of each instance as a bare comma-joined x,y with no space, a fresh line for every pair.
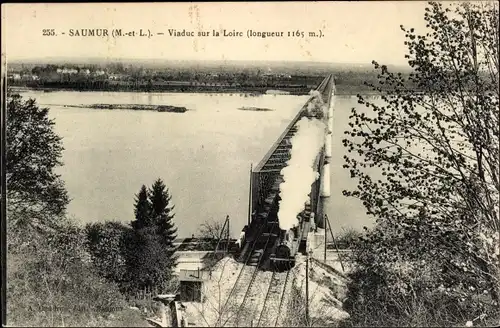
300,173
315,107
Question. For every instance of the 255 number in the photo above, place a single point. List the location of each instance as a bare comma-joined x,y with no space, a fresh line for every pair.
48,32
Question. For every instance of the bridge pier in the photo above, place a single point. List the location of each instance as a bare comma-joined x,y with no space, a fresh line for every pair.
325,191
316,242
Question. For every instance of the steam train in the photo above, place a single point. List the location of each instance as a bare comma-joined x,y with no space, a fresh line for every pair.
284,255
292,241
279,246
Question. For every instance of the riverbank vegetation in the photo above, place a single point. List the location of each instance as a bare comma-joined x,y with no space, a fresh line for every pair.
63,274
427,167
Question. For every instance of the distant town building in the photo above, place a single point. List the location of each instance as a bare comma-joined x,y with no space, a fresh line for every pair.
67,70
14,76
29,77
115,76
277,75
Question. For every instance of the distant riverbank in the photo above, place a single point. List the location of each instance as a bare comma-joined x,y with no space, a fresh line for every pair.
177,87
340,91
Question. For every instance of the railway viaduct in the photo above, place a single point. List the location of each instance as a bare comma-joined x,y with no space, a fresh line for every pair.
256,247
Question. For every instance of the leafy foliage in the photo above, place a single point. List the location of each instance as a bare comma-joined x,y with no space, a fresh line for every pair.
427,166
51,281
346,238
149,263
33,152
106,243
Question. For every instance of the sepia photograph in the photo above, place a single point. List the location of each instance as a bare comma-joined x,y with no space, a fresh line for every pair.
250,164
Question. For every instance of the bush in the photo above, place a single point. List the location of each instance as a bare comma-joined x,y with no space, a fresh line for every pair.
346,238
389,290
107,245
149,263
52,282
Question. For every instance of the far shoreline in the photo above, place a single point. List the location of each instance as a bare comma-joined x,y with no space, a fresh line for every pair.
250,93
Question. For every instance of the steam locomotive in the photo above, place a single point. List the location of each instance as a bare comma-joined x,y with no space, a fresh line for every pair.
280,246
292,241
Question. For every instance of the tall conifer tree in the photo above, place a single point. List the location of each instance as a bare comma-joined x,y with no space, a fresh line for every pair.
162,212
162,216
142,209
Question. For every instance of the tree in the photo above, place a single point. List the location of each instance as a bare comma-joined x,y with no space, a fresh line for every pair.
150,254
426,159
106,243
162,212
149,264
33,152
210,231
142,209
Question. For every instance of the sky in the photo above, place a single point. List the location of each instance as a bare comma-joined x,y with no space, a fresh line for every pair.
354,32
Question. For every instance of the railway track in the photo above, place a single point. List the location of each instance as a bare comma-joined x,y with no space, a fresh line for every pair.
271,308
245,274
248,292
245,288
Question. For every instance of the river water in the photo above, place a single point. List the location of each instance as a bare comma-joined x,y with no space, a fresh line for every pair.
203,155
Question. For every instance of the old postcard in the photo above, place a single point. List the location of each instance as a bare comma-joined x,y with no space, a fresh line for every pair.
250,164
